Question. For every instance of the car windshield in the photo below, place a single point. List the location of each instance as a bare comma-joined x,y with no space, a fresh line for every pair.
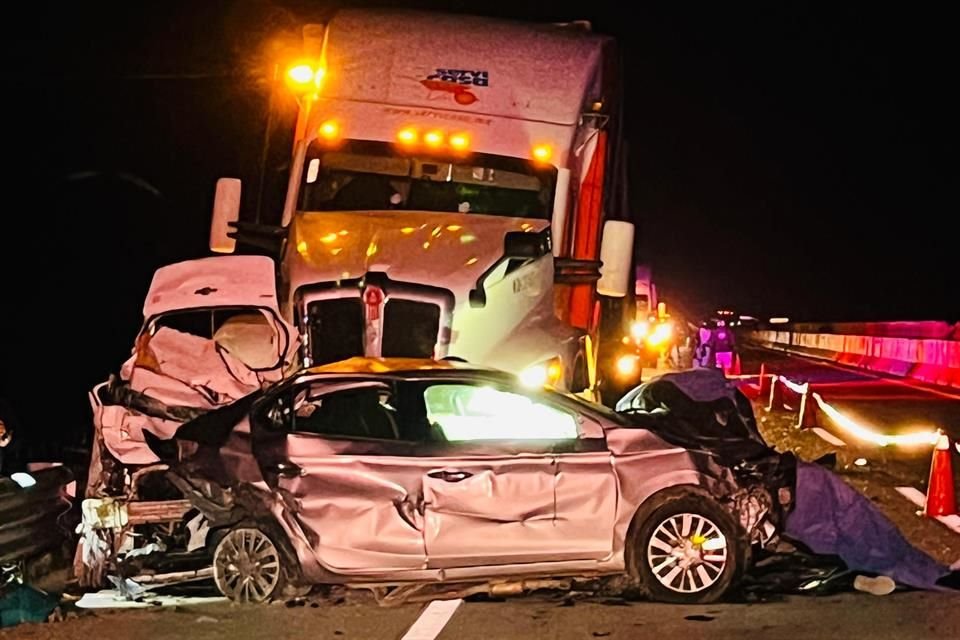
374,176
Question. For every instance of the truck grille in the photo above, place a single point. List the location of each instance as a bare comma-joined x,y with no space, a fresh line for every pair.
335,330
373,316
410,329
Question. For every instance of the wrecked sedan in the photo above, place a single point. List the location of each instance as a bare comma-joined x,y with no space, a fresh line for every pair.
400,474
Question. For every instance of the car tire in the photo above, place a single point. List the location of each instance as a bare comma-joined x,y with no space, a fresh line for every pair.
686,548
249,566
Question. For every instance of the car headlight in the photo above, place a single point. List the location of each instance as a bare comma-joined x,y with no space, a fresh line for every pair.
548,372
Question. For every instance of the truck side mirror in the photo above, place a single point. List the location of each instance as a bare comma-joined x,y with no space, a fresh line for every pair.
520,245
616,256
226,212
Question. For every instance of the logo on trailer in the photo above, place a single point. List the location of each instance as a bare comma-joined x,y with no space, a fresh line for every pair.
460,83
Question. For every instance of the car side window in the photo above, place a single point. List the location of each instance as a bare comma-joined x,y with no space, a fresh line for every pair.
361,411
465,412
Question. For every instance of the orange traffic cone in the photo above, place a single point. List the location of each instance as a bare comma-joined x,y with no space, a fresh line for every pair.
776,395
807,419
941,500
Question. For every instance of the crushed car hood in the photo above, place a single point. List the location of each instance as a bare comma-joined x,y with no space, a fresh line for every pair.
219,281
172,376
699,409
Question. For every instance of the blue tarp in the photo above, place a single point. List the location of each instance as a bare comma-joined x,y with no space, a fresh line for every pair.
830,517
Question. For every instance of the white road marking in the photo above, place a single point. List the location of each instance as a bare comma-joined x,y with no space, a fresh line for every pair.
918,498
432,620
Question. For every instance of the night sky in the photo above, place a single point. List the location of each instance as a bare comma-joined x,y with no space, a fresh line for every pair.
784,161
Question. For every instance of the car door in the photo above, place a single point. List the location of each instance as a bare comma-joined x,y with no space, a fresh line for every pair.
514,480
333,449
586,497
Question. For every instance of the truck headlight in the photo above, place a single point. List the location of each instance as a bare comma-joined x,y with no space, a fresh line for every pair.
548,372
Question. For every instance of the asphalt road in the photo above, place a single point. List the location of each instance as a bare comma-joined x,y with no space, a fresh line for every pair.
853,615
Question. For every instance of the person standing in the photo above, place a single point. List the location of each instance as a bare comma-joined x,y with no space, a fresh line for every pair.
723,346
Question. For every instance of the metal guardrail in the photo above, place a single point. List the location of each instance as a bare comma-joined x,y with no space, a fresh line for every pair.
30,517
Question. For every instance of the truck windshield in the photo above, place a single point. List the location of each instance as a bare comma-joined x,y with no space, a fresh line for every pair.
362,175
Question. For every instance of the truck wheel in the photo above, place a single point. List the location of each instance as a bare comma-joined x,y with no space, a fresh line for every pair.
688,549
248,566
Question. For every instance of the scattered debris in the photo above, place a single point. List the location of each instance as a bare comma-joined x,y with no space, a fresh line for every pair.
615,602
130,593
878,585
127,588
113,599
198,527
146,550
